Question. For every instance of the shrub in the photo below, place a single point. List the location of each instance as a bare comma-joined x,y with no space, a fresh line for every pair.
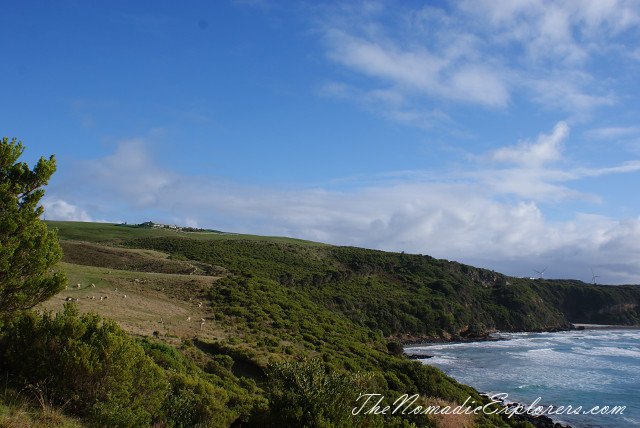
394,347
302,394
193,401
88,362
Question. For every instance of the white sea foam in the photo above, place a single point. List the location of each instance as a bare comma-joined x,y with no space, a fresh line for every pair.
630,422
586,367
610,351
442,360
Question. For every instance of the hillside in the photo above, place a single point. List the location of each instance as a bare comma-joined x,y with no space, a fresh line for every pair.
399,295
260,299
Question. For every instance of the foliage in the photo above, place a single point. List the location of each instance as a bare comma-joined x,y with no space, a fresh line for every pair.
397,294
97,371
302,394
197,397
273,319
91,364
593,304
344,310
28,251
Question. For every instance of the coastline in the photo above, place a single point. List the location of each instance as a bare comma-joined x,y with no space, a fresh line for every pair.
539,421
606,327
423,341
412,351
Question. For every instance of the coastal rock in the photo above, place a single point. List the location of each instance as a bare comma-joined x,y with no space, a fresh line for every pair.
418,356
538,421
541,421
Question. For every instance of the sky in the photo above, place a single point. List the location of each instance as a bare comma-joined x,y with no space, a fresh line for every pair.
504,134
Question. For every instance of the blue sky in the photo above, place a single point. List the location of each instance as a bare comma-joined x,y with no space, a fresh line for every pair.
503,134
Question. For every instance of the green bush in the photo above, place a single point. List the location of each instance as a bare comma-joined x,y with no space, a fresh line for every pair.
302,394
194,401
89,363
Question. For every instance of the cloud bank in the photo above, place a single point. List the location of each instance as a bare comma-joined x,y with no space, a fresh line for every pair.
489,214
428,67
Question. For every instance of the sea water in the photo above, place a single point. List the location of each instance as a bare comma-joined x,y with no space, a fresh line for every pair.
587,368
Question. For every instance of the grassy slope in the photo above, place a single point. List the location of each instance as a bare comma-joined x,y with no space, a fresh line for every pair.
275,298
404,296
251,318
100,232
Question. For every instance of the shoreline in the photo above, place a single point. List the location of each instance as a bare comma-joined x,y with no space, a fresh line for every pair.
539,421
606,327
425,341
413,351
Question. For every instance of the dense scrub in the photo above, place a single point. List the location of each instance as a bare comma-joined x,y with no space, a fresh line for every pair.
277,322
411,296
593,304
309,328
95,370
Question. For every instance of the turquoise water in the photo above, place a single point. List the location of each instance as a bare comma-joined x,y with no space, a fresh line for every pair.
599,367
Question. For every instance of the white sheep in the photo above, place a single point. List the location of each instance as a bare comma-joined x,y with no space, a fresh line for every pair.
188,318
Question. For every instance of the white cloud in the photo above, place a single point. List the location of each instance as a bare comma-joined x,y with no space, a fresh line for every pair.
131,172
419,69
397,106
574,92
537,170
613,133
629,166
57,209
462,216
190,222
567,31
487,52
546,149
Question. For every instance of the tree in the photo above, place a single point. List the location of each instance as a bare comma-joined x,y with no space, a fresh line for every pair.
28,251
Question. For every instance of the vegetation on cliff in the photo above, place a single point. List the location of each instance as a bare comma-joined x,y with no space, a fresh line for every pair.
287,328
271,353
408,296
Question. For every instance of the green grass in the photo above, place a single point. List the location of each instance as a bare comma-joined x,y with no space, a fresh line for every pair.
100,232
31,408
268,299
155,301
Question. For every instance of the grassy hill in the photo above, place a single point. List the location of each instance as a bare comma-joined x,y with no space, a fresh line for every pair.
233,304
399,295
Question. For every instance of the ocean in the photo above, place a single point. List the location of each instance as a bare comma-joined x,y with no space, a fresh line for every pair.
587,368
